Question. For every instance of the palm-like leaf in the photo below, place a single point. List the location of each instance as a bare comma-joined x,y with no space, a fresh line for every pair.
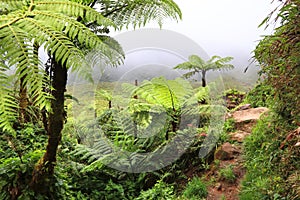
8,104
53,25
170,94
197,65
139,12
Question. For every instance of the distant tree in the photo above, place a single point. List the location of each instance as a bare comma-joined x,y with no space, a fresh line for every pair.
198,65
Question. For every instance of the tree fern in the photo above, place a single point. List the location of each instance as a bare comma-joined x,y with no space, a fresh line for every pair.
139,12
198,65
54,26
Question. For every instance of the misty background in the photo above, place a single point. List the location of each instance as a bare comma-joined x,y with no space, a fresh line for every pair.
208,28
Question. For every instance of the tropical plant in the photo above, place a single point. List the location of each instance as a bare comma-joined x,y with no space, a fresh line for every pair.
170,95
66,30
195,189
160,191
197,65
278,56
138,12
53,26
271,149
227,174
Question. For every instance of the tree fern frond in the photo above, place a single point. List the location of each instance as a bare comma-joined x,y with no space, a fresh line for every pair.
11,5
170,94
8,103
20,52
109,49
184,66
113,45
196,60
55,42
74,9
139,12
202,94
189,74
217,63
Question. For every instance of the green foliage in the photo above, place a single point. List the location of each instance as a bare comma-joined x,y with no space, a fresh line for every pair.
53,26
227,174
266,169
234,98
27,139
160,191
15,172
195,189
278,55
170,94
139,12
262,95
270,152
8,103
67,31
198,65
229,125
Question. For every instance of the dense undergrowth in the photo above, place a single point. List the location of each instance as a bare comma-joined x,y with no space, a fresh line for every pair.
82,170
272,151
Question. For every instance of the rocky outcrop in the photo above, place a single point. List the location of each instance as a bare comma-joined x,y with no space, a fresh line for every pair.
245,120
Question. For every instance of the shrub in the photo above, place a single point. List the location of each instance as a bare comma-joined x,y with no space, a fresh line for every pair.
260,96
227,174
195,189
160,191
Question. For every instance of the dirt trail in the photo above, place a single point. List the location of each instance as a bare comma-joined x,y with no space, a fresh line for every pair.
225,185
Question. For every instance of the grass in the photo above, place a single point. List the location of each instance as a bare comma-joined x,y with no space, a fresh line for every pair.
195,189
227,174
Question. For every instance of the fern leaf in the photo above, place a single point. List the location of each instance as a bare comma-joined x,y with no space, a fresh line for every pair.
74,9
138,12
8,104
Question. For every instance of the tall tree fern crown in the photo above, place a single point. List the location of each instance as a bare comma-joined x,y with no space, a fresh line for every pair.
66,30
56,26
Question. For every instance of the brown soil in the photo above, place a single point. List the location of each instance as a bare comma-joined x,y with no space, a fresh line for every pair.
221,188
224,189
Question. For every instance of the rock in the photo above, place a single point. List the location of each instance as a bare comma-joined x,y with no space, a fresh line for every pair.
226,152
239,135
249,114
246,119
218,186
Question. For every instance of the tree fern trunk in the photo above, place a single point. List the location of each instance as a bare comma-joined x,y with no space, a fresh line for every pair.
203,78
43,172
23,101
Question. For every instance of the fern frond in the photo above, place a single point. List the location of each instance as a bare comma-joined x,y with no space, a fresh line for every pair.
73,9
11,5
168,93
28,66
217,63
196,60
139,12
8,103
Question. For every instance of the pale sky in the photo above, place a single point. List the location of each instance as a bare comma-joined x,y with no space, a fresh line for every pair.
222,27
